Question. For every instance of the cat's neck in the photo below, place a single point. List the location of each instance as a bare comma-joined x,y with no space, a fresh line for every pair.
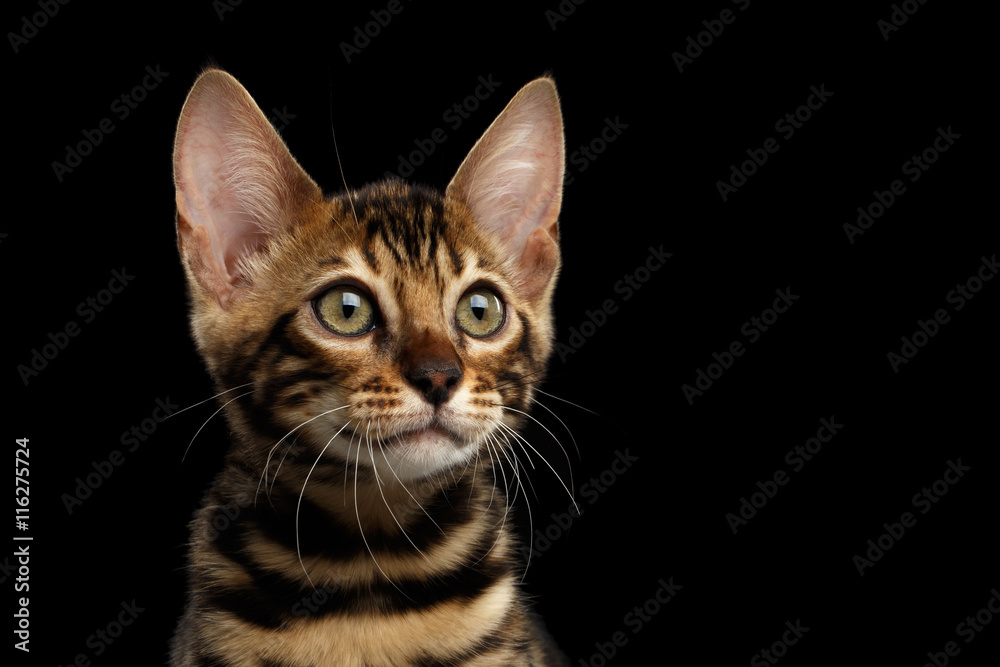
346,520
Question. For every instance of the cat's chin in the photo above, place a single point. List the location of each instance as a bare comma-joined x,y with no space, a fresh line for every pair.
430,436
425,451
413,453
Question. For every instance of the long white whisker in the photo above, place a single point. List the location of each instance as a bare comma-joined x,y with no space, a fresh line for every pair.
569,464
493,464
514,470
545,461
519,487
575,405
518,439
378,481
472,487
357,515
210,398
298,506
210,419
503,521
552,412
531,524
267,462
503,474
401,484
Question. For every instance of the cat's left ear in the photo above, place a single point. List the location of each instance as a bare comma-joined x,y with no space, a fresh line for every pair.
512,180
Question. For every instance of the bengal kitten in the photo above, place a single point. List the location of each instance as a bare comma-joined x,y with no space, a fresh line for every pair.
376,353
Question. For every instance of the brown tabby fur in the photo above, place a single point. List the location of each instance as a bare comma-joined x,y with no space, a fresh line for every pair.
309,548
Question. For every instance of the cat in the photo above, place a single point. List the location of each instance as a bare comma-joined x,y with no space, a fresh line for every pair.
375,353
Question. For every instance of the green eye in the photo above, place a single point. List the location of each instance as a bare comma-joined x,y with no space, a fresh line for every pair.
346,310
479,313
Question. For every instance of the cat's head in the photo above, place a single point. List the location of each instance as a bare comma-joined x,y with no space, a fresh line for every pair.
392,324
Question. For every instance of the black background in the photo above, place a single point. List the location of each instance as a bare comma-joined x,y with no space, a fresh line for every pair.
654,186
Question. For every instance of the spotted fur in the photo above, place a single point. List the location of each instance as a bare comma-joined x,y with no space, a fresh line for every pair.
360,518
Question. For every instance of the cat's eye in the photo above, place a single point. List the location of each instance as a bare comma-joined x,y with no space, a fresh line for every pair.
346,310
479,313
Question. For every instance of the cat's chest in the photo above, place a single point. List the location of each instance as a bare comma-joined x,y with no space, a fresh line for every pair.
442,633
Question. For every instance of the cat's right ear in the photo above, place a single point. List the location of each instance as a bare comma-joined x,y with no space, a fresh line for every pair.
512,181
237,185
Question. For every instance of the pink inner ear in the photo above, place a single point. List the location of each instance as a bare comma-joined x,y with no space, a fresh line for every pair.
512,179
538,263
234,179
204,202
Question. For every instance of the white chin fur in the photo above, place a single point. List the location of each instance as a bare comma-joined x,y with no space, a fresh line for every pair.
411,456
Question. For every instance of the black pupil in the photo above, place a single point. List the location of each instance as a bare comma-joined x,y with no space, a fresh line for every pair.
479,305
349,302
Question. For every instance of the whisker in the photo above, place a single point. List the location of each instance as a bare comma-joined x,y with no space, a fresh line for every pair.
544,460
403,486
518,380
378,482
357,462
509,504
531,524
510,499
552,412
575,405
569,465
472,487
174,414
298,506
340,166
493,465
518,438
184,456
267,462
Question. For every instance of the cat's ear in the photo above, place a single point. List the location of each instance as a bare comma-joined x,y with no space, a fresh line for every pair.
513,179
237,185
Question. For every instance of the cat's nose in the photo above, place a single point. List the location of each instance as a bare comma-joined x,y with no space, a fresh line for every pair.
432,367
436,379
